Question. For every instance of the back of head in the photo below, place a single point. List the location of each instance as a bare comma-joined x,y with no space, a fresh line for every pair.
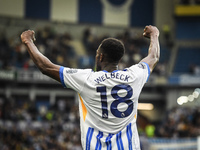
113,49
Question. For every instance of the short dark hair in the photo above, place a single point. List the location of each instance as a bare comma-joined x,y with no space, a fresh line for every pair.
113,49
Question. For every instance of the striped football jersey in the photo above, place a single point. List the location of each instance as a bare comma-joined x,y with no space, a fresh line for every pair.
108,105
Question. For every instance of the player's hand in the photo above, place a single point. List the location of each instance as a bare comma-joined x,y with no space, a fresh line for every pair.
28,36
150,31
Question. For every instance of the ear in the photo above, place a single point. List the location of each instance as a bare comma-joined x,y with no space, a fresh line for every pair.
101,57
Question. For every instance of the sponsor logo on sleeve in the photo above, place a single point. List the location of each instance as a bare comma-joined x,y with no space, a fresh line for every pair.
141,65
71,71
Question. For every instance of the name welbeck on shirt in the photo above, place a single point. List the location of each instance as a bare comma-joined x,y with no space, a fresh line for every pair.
112,75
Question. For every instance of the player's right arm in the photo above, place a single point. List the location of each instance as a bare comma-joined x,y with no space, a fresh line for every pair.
154,49
42,62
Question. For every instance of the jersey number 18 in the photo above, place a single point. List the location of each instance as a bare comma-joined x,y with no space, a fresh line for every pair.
118,99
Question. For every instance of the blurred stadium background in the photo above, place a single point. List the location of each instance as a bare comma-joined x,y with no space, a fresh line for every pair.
37,113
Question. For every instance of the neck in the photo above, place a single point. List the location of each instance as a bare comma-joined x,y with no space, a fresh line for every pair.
110,67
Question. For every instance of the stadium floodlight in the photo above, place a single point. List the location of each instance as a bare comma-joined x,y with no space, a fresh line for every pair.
197,89
195,94
191,97
182,99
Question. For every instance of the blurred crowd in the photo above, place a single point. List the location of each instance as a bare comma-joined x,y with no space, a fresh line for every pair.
60,50
37,125
56,47
180,122
25,125
189,2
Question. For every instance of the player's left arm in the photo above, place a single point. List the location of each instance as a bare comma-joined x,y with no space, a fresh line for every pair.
154,49
42,62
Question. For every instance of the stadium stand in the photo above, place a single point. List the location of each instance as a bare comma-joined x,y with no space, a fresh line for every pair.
187,60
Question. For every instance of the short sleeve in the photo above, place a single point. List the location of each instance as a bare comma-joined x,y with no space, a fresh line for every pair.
74,78
141,70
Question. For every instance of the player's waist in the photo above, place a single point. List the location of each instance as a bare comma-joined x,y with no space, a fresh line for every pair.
121,140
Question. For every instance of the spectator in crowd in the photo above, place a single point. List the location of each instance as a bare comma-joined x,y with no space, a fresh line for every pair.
194,69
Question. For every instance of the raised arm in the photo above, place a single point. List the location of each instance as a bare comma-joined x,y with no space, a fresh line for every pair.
42,62
154,49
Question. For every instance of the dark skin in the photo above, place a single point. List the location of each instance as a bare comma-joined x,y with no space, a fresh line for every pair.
52,70
102,63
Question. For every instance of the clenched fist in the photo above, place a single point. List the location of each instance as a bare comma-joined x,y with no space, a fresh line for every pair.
150,31
28,36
